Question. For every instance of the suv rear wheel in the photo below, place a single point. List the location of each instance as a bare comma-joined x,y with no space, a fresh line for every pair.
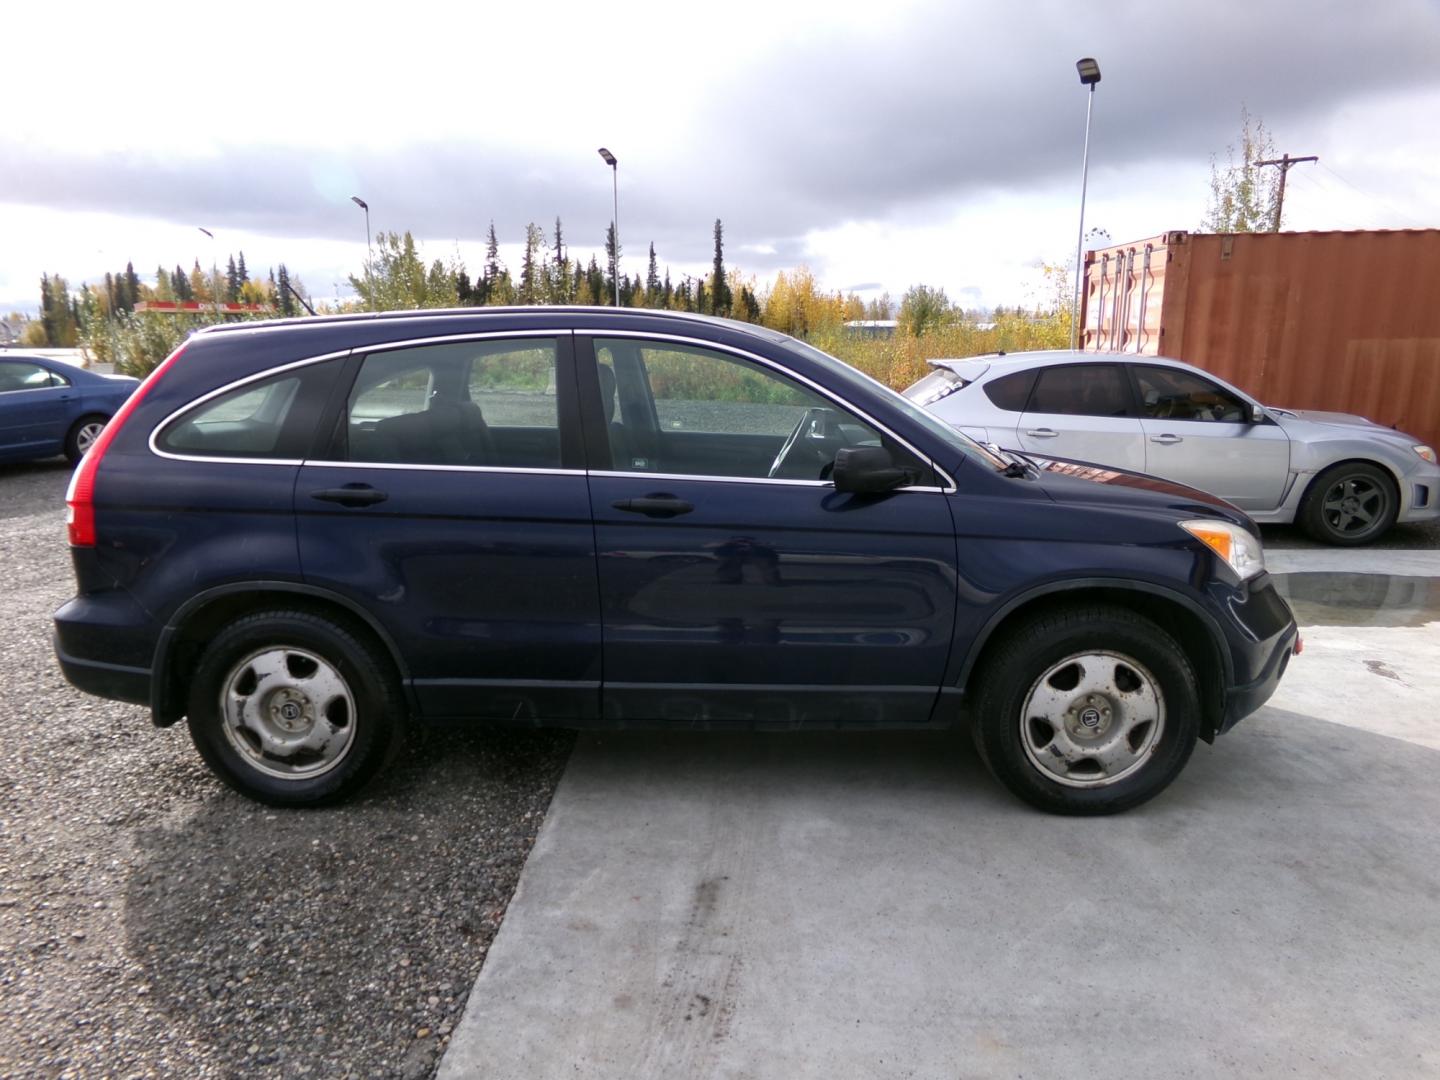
1087,711
292,709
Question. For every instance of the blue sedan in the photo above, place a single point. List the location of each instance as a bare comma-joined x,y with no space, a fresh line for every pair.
48,407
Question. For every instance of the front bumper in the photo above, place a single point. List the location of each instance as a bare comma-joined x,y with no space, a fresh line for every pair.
1420,495
1260,634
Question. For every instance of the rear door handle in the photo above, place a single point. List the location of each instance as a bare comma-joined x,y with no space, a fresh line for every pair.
1042,433
351,495
1166,440
660,506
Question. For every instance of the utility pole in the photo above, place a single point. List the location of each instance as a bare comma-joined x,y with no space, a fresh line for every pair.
1285,163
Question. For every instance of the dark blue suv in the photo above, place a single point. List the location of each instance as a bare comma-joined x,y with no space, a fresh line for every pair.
305,536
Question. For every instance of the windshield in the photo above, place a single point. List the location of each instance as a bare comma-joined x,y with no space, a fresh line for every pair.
942,431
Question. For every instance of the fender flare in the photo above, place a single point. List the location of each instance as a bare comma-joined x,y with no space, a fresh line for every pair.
163,711
1059,588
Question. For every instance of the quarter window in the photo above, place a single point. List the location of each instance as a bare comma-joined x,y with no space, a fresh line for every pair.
476,403
1010,392
1172,394
246,422
1081,390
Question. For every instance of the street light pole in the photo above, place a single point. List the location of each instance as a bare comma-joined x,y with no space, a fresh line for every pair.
369,255
614,164
214,269
1089,75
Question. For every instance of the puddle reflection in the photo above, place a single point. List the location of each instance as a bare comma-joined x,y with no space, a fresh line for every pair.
1337,599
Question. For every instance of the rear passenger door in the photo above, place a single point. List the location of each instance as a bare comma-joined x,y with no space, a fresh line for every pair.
451,504
1084,412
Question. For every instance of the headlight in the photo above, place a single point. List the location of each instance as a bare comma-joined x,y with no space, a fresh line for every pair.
1426,452
1238,548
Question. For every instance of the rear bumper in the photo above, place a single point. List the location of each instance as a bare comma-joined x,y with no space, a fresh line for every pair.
113,681
105,644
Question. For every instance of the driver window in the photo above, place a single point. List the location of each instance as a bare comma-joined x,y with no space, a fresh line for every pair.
682,410
1172,394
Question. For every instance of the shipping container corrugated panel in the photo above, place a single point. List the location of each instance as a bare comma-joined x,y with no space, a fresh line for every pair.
1346,321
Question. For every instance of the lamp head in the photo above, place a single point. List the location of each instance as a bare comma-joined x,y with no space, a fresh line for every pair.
609,157
358,201
1089,71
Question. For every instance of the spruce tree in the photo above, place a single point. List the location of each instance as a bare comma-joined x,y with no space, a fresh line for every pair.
652,278
719,287
132,287
240,272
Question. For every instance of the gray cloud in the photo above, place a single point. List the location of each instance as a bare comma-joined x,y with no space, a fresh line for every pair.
819,131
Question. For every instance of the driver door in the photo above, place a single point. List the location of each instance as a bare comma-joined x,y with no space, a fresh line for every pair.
738,588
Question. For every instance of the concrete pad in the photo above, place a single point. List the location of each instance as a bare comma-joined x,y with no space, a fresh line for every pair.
1423,562
871,905
875,906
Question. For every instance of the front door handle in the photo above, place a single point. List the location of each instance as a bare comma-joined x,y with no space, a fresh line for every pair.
659,506
351,495
1042,433
1166,439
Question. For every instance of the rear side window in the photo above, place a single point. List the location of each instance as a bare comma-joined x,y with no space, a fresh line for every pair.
17,376
269,418
1010,392
489,403
1081,390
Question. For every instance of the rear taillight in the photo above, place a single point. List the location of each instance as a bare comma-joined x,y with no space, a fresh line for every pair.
80,497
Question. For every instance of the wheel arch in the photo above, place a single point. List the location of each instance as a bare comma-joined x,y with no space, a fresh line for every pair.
192,625
1380,463
1193,627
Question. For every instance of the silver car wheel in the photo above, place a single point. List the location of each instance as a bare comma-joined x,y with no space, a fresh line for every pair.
1092,719
288,713
88,433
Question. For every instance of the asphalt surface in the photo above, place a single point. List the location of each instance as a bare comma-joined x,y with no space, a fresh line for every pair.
154,924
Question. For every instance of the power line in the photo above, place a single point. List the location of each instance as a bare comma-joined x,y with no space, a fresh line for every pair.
1285,163
1372,197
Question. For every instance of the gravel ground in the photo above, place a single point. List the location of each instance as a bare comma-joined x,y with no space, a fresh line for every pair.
152,923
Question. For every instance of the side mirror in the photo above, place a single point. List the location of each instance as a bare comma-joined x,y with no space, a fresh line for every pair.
1257,414
867,470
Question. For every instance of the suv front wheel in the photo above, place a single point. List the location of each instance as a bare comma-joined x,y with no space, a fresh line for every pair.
1088,710
292,709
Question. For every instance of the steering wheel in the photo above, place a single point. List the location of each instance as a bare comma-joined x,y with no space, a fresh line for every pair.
810,447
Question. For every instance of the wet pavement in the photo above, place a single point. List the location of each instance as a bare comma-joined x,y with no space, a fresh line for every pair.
1335,598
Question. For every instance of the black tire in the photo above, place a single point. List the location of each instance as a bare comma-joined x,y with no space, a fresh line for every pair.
1338,498
1006,738
81,434
365,717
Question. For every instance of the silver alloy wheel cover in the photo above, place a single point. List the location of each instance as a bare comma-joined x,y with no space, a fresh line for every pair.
269,712
1090,725
86,436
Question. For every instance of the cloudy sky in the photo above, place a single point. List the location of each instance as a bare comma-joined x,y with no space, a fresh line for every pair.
880,144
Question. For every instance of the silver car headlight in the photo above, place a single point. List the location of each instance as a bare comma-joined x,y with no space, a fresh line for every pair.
1238,548
1426,452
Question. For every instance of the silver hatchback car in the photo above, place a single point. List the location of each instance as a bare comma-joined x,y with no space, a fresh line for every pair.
1345,479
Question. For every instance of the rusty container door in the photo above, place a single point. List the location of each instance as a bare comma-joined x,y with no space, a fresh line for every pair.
1343,321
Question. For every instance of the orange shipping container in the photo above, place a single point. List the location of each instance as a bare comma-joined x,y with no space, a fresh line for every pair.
1346,321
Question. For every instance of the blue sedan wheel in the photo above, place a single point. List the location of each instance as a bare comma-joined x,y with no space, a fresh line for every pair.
82,436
